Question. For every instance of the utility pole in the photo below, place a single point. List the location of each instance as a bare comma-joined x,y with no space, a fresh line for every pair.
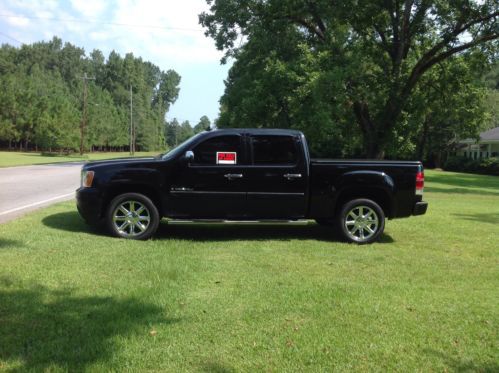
132,130
83,123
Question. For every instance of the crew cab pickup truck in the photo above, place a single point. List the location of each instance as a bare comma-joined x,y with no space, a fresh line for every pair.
249,174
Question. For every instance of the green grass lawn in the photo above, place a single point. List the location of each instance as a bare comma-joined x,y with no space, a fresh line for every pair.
257,298
9,159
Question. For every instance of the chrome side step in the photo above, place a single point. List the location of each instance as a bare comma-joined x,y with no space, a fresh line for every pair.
219,221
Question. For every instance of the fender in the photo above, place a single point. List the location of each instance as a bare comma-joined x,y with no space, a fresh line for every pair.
134,179
377,183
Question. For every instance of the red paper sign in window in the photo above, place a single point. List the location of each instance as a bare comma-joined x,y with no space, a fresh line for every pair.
226,157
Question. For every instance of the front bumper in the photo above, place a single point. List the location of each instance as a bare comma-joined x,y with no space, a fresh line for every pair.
89,204
420,208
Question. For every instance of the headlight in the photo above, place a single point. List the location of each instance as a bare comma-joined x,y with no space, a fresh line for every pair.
86,178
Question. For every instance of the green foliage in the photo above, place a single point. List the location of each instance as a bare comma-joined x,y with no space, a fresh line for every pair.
177,133
203,124
335,64
41,101
486,166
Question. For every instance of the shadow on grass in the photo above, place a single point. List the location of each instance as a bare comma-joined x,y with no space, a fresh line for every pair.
72,222
47,330
492,218
5,243
431,189
215,367
464,180
457,365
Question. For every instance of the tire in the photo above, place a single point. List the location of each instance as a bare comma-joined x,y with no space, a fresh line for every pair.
132,216
361,221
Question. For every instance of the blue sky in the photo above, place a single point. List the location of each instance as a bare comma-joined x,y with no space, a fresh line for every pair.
165,32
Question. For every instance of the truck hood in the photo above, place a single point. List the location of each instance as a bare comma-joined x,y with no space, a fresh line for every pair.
120,162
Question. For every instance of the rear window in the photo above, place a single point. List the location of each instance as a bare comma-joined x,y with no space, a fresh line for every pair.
269,150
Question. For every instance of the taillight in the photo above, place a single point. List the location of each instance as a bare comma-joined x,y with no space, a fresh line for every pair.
420,182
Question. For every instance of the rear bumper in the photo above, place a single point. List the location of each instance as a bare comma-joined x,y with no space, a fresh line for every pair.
89,204
420,208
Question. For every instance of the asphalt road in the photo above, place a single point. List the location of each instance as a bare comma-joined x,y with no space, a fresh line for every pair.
27,188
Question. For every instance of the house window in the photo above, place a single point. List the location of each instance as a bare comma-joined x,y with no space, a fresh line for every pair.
480,156
465,154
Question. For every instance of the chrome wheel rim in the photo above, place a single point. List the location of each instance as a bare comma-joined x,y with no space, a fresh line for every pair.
131,218
361,223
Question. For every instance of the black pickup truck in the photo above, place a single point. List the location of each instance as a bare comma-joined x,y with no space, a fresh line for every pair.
249,174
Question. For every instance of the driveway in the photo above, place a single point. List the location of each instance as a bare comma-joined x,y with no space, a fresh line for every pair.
27,188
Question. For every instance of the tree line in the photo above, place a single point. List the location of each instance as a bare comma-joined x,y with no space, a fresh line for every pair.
364,78
42,103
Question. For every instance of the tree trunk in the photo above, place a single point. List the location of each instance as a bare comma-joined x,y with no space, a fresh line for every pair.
422,140
373,144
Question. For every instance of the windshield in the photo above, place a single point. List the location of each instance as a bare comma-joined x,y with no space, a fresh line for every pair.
179,149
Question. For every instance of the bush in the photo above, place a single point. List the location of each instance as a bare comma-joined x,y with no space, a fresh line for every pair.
486,166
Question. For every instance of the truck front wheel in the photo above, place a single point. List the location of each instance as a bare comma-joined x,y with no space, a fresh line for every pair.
132,216
361,221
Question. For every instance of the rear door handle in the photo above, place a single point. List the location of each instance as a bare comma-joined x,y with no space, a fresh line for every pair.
233,176
292,176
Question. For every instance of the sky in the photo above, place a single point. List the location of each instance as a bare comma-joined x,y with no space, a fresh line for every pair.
166,33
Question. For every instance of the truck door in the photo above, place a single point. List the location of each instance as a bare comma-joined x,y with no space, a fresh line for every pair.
212,185
277,177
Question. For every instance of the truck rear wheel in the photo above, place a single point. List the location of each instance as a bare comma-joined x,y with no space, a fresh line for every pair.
133,216
361,221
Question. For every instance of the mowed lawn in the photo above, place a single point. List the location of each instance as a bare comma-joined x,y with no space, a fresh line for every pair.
257,298
10,159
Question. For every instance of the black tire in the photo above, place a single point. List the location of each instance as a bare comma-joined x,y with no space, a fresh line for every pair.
325,222
361,221
142,219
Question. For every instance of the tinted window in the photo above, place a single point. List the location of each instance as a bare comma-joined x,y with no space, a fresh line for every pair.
218,150
274,150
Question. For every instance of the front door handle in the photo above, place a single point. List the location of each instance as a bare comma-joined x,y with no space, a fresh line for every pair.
292,176
233,176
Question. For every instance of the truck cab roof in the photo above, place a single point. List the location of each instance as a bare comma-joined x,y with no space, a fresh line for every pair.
259,131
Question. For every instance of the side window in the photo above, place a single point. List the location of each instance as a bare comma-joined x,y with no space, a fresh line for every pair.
218,150
274,150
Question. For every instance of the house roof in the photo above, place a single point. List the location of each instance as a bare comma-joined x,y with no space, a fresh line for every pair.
492,134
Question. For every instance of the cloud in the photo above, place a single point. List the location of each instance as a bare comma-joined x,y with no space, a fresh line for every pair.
18,21
165,32
175,34
89,8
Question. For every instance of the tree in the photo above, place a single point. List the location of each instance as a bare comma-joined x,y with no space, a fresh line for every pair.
376,51
172,133
41,97
185,131
203,124
491,81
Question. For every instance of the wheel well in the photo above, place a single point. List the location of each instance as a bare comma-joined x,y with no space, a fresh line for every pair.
146,190
379,196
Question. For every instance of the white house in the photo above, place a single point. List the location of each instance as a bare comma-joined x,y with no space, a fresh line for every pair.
486,147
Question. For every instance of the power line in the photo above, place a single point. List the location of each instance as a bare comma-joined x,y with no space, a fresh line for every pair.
103,23
11,38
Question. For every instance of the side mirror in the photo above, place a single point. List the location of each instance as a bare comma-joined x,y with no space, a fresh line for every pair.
189,156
